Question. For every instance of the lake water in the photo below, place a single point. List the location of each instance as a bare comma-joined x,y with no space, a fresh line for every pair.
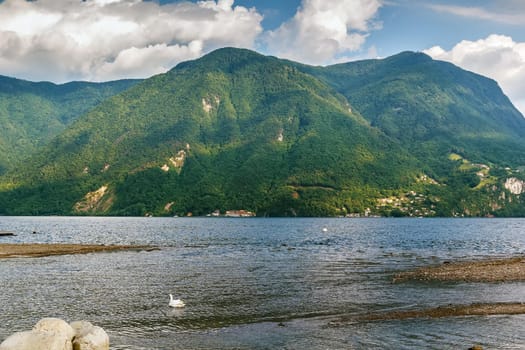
261,283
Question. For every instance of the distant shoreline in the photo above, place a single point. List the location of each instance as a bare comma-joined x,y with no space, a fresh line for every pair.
36,250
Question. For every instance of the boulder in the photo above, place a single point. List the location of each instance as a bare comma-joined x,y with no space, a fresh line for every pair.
55,325
56,334
41,340
89,337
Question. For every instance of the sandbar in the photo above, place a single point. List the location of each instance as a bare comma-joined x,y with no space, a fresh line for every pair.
477,309
35,250
490,270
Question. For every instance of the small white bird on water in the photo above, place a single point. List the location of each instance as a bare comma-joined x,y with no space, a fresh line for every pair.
176,302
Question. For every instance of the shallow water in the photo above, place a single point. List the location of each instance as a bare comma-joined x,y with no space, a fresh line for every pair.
260,283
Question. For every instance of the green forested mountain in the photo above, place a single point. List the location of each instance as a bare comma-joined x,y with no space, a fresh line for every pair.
238,130
33,113
432,107
465,132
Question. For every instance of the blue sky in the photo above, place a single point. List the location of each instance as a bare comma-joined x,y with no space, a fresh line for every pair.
97,40
412,24
415,25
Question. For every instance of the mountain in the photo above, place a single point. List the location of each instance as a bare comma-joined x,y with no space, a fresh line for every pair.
33,113
232,130
236,130
432,107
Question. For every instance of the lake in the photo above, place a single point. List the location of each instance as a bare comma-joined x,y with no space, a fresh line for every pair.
261,283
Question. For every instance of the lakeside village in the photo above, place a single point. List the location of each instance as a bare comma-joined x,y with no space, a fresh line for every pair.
409,204
233,214
414,204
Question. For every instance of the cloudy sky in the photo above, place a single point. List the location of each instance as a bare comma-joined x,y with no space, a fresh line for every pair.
99,40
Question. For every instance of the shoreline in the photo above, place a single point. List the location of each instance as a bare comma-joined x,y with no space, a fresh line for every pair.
487,270
37,250
475,309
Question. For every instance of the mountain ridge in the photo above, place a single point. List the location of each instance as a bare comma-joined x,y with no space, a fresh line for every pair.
239,130
33,112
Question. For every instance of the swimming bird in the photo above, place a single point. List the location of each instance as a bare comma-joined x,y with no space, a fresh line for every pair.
325,229
176,302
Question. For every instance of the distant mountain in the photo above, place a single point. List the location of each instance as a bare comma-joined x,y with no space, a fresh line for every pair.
236,130
432,107
33,113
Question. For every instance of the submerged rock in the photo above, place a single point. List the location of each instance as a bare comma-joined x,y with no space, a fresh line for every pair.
57,334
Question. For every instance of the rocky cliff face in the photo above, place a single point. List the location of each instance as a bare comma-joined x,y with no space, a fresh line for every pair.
515,186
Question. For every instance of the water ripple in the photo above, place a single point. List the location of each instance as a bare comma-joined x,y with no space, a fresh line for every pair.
260,283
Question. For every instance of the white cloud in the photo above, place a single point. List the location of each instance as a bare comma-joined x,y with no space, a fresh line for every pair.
160,58
322,30
497,56
61,40
98,40
503,11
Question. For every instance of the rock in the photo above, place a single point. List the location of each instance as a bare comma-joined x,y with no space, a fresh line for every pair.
55,325
57,334
89,337
476,347
515,186
33,340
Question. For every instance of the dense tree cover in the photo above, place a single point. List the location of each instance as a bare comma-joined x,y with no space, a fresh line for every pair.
432,107
33,113
238,130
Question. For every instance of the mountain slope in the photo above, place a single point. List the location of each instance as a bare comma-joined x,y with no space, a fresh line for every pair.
433,107
32,113
232,130
238,130
464,131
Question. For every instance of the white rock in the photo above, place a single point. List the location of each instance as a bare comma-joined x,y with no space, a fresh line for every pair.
89,337
56,334
514,185
36,340
55,325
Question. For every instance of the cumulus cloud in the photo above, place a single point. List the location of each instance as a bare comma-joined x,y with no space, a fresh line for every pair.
61,40
323,30
497,56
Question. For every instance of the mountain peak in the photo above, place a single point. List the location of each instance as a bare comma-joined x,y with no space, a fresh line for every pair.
226,58
408,58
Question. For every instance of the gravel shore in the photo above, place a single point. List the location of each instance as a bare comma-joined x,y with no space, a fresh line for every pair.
35,250
478,271
493,270
478,309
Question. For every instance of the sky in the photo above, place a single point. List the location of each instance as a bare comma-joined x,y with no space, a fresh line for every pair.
101,40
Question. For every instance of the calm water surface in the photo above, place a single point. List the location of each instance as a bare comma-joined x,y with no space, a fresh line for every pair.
261,283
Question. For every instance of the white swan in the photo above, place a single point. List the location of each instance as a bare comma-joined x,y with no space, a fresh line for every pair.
176,302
